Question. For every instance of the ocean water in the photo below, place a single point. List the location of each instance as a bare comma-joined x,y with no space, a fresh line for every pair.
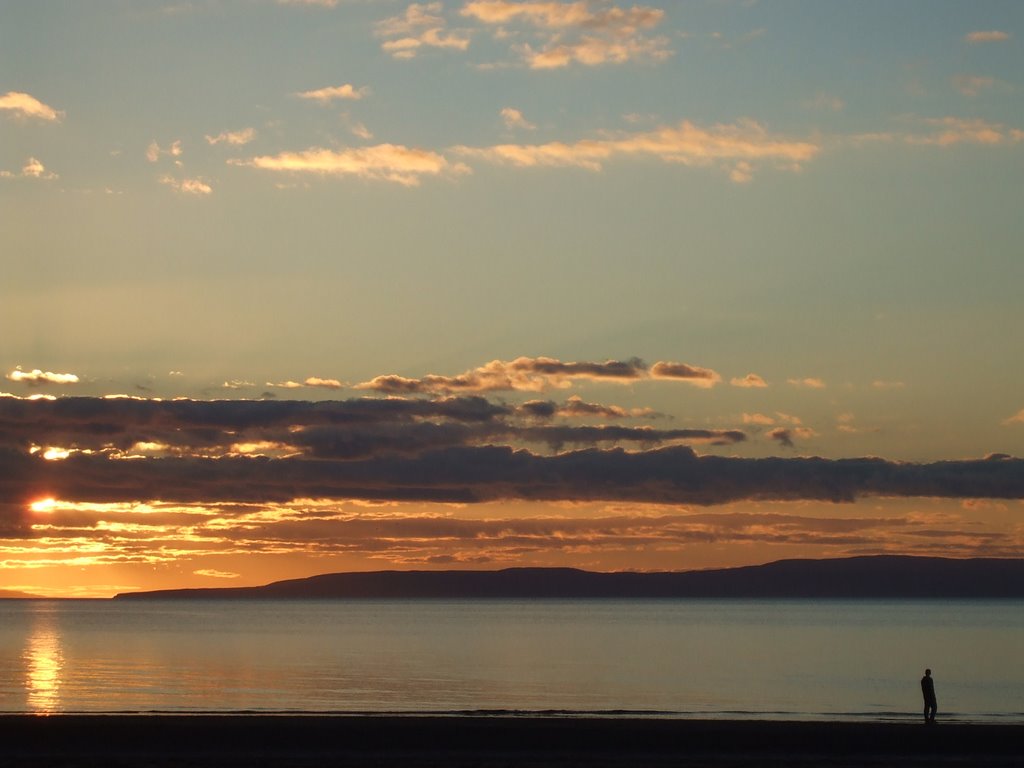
802,659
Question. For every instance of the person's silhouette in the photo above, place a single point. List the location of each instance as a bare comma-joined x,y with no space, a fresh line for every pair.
928,691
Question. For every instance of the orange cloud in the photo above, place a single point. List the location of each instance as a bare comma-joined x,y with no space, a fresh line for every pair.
764,420
728,146
972,85
947,132
536,374
751,380
606,34
577,407
593,51
514,119
215,574
1017,418
154,151
420,26
987,36
329,94
32,169
691,374
233,138
542,14
417,16
526,374
608,538
785,435
807,383
386,162
26,105
955,130
187,186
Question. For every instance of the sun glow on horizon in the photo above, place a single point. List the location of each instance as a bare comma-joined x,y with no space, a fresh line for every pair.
43,506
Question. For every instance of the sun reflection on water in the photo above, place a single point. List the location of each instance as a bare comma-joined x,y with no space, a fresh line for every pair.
43,664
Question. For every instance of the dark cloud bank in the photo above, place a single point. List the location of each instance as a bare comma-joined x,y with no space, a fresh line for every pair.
452,449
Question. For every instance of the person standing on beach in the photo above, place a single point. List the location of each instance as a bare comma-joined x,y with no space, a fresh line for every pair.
928,691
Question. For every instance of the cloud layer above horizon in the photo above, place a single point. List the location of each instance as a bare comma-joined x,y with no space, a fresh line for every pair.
566,275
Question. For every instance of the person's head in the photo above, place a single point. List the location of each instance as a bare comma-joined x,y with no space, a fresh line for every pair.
927,673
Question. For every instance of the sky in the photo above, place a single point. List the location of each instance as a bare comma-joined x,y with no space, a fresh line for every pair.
305,286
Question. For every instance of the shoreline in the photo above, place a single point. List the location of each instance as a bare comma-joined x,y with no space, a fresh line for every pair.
541,740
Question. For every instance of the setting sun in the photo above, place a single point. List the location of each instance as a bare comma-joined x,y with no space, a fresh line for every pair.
43,506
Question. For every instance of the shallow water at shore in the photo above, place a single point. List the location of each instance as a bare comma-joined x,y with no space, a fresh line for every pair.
777,659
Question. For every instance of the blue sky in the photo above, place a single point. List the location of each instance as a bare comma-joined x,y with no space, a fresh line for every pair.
822,194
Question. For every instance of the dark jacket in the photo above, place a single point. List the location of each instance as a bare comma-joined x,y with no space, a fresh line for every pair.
928,689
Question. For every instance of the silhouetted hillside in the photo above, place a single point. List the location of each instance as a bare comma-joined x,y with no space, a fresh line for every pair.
858,577
11,594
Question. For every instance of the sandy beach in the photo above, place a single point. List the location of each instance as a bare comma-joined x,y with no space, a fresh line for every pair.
455,741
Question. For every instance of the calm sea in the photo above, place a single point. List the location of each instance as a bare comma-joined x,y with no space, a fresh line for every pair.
690,658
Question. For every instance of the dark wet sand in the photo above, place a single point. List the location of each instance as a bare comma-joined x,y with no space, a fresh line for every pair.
376,741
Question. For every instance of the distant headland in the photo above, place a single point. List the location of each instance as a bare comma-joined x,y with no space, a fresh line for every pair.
879,576
12,594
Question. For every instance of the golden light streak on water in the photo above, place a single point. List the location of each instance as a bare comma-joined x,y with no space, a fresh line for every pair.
44,663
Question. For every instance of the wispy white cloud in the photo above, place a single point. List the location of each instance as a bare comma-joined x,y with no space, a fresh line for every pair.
388,162
232,138
360,130
316,381
948,131
945,132
25,105
334,92
312,381
36,377
735,147
514,119
882,384
987,36
972,85
422,25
